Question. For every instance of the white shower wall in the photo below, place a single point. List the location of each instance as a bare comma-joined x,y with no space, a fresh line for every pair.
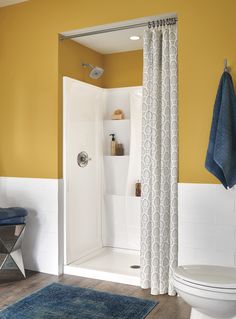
100,204
83,186
121,213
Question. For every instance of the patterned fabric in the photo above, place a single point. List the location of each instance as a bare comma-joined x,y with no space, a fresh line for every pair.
159,224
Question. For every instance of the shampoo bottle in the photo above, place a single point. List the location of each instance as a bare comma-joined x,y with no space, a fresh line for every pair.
113,144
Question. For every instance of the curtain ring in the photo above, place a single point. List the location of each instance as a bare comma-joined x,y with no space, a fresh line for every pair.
153,24
158,23
149,24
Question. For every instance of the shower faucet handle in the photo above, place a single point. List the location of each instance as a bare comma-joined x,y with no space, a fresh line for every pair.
83,159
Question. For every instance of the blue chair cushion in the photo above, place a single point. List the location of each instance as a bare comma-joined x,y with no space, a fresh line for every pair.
12,213
12,221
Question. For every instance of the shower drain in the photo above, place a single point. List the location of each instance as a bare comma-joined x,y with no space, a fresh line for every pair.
135,266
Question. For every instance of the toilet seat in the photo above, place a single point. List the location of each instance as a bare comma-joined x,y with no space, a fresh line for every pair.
211,278
209,290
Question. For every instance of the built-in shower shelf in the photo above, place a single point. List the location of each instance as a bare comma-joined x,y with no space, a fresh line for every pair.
132,197
121,129
117,122
116,156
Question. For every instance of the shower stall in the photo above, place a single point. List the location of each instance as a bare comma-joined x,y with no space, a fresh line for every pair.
101,211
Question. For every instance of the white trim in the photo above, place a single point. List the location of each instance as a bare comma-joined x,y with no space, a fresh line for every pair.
60,226
6,3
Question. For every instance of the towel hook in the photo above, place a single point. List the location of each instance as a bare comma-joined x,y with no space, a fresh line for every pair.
226,69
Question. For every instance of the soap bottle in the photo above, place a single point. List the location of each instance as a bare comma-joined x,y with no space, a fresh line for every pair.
138,189
113,144
119,149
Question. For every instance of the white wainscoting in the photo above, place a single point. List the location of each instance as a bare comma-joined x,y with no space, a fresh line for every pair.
207,225
207,222
40,198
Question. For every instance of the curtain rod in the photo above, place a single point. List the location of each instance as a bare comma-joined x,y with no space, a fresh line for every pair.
158,22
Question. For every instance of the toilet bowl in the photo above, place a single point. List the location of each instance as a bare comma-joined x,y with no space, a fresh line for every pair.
209,290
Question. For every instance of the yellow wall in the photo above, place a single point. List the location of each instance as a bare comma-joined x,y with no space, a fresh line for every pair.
30,113
120,69
123,69
71,56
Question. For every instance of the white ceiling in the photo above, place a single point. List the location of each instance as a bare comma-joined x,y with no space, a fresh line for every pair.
113,42
116,41
5,3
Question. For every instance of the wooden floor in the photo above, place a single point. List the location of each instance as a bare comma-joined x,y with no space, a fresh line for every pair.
168,307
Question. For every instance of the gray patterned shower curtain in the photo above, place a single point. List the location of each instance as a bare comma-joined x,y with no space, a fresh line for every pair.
159,222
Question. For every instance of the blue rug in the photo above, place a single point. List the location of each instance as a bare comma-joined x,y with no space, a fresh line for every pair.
58,301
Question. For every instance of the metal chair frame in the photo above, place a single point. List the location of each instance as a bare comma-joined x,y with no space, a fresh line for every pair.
11,237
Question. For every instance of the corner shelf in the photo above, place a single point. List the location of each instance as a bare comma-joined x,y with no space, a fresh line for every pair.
116,156
122,196
116,121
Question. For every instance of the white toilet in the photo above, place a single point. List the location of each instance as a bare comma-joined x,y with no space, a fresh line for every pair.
209,290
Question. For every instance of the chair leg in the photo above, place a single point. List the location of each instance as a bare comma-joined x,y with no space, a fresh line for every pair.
18,260
11,237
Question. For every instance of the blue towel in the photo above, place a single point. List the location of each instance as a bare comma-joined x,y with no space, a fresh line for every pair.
221,153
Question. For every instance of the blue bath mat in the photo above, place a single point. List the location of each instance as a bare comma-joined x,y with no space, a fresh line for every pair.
58,301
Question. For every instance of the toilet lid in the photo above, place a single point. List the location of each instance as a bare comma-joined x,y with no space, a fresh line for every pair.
210,276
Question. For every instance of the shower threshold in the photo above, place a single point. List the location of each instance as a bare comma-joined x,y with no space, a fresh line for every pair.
110,264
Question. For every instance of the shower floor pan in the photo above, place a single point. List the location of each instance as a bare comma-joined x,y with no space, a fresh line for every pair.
108,264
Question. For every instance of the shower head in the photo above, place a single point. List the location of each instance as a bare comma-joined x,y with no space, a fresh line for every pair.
96,71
